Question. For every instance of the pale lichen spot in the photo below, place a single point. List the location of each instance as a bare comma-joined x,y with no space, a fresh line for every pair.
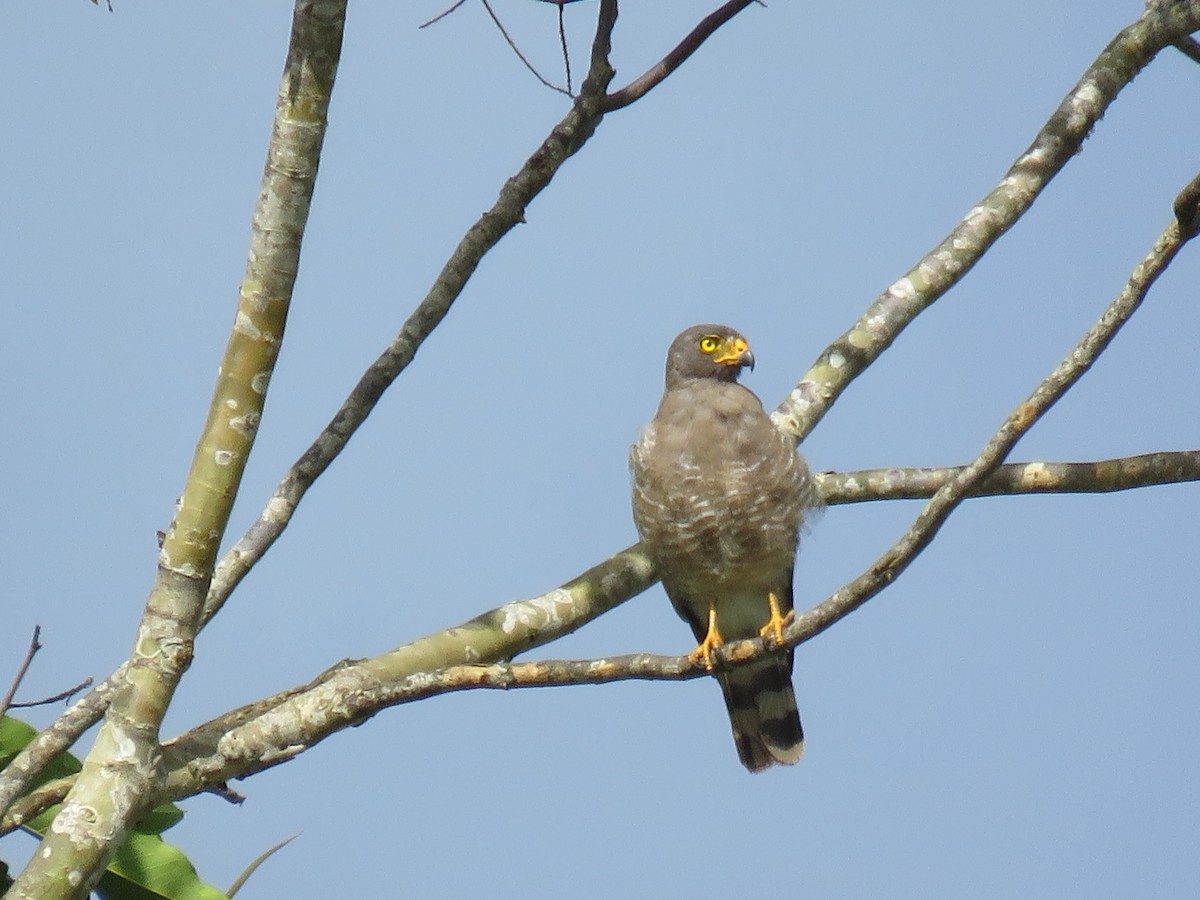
924,277
543,610
1089,93
859,340
74,878
277,509
245,425
470,654
836,359
71,817
903,289
224,457
126,748
259,382
243,324
230,403
1035,474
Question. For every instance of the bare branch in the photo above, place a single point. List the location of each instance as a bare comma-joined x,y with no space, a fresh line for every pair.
1187,208
566,52
1103,476
34,646
517,50
1189,48
54,698
946,264
36,802
658,73
442,14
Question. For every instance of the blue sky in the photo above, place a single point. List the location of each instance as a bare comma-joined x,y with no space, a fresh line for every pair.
1016,715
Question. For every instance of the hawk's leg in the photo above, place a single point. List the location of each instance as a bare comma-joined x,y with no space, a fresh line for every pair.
777,622
704,651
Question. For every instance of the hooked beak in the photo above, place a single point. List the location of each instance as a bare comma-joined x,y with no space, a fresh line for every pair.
736,352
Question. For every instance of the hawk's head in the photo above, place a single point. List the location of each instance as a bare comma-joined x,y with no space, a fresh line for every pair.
708,351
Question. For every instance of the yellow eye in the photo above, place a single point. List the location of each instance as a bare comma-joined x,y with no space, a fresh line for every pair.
709,343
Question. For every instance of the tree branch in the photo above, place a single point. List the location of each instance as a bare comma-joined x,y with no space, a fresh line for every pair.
1160,26
261,735
969,479
122,772
1012,479
659,72
34,646
53,698
1189,48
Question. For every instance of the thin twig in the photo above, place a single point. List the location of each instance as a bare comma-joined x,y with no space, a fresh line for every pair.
562,39
658,73
442,14
1189,48
61,695
520,55
34,646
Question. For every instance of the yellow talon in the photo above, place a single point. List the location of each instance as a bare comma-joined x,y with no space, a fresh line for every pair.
777,622
704,651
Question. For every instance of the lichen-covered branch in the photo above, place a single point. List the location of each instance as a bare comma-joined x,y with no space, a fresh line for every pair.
122,773
1160,26
1100,477
256,737
968,479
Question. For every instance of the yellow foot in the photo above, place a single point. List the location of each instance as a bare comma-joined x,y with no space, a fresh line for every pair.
777,622
703,653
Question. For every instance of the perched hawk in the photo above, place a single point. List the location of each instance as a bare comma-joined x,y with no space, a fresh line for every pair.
718,497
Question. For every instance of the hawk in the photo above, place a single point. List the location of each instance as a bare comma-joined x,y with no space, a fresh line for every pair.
719,496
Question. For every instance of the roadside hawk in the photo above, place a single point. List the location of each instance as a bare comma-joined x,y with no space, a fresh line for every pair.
718,498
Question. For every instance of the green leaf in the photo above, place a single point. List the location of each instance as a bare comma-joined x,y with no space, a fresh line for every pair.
146,866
